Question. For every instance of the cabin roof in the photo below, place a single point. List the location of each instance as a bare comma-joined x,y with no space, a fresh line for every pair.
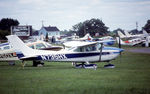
78,43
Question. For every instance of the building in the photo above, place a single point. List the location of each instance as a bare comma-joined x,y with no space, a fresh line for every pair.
51,31
23,31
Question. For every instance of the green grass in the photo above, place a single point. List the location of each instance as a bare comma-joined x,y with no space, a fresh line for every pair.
131,76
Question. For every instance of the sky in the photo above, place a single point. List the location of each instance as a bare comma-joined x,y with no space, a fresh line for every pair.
65,13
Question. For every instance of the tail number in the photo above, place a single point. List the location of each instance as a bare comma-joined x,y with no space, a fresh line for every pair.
53,57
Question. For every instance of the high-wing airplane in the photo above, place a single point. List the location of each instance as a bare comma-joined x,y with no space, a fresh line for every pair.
107,40
83,52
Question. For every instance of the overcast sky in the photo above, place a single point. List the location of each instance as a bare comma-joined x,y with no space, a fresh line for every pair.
66,13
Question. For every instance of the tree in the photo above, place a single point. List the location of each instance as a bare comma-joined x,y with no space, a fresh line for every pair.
147,26
92,26
3,33
6,23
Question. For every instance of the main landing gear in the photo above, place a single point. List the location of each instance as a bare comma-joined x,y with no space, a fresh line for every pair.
38,63
85,66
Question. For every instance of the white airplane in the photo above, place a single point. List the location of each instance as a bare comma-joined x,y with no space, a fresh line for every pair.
131,42
107,40
84,52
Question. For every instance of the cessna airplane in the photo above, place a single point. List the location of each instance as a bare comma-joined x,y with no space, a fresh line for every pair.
107,40
83,52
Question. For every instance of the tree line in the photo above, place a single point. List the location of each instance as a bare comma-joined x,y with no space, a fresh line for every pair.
93,27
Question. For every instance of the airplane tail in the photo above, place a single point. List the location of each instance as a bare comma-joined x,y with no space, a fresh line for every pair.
21,49
120,34
87,36
127,34
145,33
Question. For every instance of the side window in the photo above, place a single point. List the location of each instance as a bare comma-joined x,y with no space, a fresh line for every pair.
79,49
6,47
40,45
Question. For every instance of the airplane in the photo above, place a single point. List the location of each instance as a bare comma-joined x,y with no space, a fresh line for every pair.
128,35
107,40
82,52
131,42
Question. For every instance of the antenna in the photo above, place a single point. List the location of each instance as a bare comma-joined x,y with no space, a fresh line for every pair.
42,23
136,25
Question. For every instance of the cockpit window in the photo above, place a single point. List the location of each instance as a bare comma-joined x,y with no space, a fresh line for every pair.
40,45
6,47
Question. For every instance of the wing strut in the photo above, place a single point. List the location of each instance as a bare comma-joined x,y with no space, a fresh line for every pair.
100,56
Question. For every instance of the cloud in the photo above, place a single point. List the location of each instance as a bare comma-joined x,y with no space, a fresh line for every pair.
65,13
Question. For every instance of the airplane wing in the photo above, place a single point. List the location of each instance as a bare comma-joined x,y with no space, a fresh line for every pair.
78,43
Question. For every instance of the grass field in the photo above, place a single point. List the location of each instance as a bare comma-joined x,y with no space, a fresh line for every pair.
131,76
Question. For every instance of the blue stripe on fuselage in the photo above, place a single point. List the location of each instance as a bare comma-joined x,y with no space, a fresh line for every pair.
69,56
4,44
65,56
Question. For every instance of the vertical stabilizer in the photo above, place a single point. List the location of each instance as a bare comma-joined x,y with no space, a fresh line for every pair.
145,33
121,35
19,46
87,37
127,34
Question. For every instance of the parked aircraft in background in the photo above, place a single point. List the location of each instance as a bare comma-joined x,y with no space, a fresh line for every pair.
131,42
136,39
107,40
134,36
7,53
84,52
128,35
